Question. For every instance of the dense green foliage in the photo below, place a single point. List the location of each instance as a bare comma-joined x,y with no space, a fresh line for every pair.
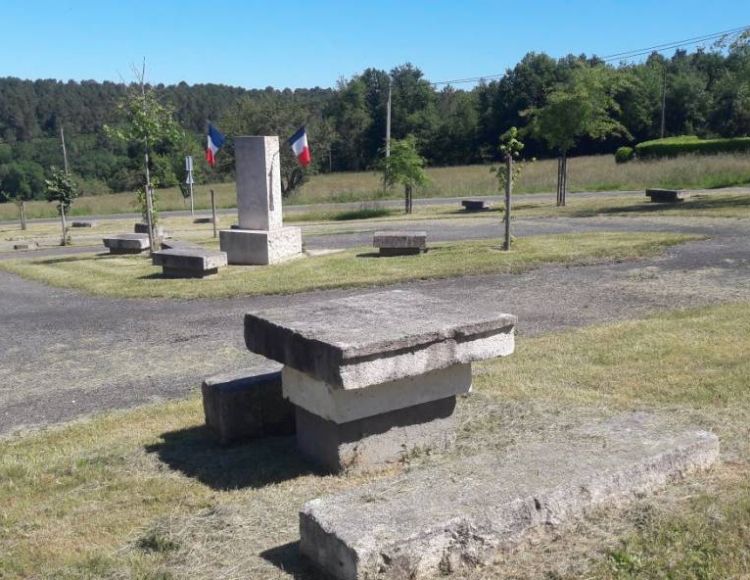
673,146
624,154
707,94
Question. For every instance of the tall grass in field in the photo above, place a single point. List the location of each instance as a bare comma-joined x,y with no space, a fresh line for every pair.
592,173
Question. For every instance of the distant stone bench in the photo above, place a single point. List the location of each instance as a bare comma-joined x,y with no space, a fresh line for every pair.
81,224
247,404
400,243
141,228
189,262
25,246
127,243
203,220
664,195
474,204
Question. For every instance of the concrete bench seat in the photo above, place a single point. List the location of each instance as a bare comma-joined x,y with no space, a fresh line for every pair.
83,224
127,243
400,243
189,262
141,228
474,205
664,195
247,404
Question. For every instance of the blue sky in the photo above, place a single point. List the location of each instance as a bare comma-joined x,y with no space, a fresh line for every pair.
310,43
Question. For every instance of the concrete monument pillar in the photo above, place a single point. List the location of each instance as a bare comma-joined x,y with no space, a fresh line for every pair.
260,237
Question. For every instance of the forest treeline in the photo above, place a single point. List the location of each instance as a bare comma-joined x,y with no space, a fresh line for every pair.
707,94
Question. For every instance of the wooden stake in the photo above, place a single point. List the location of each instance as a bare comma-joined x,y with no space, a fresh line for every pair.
22,210
213,209
508,192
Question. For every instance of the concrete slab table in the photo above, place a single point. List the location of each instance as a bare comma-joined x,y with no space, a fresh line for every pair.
374,377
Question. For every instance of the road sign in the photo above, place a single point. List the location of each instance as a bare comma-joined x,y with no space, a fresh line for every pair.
189,163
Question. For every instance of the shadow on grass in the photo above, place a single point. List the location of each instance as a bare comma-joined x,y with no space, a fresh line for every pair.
194,452
377,254
690,204
287,558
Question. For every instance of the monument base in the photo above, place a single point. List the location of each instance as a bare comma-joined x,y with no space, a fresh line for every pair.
260,247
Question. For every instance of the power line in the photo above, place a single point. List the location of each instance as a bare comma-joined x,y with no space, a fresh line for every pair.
620,55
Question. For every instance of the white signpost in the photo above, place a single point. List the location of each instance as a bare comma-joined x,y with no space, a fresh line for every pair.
189,181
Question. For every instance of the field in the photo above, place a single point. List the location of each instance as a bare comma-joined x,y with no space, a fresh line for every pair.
594,173
146,493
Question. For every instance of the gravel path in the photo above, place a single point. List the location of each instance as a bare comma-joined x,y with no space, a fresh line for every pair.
64,354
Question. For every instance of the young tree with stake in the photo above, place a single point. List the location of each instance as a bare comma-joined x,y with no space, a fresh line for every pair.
406,166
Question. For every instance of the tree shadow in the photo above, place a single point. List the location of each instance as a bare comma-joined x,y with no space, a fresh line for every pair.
377,254
287,558
194,452
696,202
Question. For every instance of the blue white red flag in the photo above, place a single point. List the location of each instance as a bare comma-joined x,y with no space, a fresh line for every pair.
215,142
298,143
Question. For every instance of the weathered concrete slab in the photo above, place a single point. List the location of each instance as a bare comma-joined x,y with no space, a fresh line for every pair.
473,205
400,243
126,243
246,404
436,521
26,245
186,262
664,195
172,244
261,247
376,338
373,441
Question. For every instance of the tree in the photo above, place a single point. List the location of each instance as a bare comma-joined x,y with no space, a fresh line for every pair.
510,149
581,107
405,166
150,130
61,189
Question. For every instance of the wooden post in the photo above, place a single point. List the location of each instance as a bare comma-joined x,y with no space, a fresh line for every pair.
64,150
508,192
64,241
564,188
22,210
150,218
213,209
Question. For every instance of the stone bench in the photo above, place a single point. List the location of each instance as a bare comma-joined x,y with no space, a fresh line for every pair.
664,195
83,224
189,262
25,245
375,376
141,228
400,243
203,220
247,404
473,205
126,243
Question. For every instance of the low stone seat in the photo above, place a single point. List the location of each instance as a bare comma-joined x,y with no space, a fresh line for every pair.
141,228
664,195
127,243
189,262
247,404
473,205
29,245
400,243
203,220
375,376
83,224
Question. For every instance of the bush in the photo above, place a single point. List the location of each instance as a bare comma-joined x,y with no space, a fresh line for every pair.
674,146
624,154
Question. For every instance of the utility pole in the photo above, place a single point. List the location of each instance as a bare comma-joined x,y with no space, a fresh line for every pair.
664,102
149,191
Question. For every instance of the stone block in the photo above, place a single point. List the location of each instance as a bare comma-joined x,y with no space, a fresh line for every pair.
83,224
379,439
438,520
400,243
473,204
203,220
344,406
259,247
126,243
28,245
664,195
258,174
375,338
141,228
182,262
247,404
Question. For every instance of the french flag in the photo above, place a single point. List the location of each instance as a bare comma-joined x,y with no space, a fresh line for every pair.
298,143
215,142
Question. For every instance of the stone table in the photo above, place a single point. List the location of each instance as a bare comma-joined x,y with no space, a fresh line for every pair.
374,377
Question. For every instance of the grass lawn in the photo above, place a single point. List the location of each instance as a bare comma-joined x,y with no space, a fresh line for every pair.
146,493
136,277
587,173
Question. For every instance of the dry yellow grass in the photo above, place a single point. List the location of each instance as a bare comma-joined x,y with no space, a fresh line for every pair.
593,173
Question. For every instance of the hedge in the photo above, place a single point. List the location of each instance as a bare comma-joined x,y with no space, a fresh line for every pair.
674,146
624,154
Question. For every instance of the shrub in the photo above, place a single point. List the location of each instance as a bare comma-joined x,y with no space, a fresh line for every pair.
624,154
674,146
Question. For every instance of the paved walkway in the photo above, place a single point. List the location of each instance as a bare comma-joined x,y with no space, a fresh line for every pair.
65,354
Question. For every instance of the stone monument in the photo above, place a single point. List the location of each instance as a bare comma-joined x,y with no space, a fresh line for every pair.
260,237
